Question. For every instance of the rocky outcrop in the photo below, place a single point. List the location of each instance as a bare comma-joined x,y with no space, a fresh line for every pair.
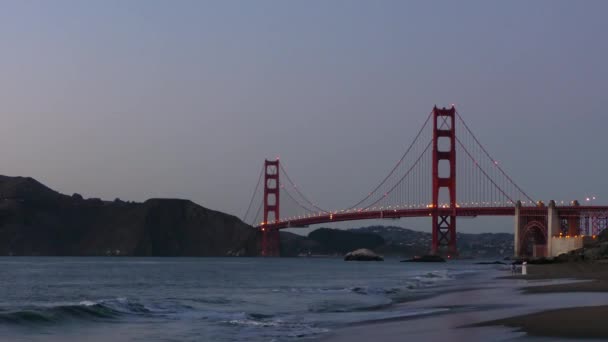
35,220
362,255
598,250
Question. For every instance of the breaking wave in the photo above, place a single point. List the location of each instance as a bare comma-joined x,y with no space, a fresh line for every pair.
84,311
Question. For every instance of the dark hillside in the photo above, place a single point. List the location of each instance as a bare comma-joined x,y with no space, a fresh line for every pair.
35,220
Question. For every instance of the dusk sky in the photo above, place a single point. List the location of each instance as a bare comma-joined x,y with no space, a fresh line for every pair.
140,99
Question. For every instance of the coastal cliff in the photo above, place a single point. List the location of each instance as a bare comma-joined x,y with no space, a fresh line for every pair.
36,220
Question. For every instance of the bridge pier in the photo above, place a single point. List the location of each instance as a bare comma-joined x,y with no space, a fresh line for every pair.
553,226
531,232
574,222
552,230
517,219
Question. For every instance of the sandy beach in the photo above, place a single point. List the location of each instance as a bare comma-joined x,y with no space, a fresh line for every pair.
580,322
577,322
595,274
557,301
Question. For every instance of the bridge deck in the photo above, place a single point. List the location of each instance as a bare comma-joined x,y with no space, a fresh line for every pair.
424,212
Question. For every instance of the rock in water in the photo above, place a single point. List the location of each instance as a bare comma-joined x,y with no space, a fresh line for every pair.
490,263
425,258
362,255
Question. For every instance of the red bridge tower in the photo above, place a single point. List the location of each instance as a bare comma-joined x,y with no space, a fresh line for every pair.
444,226
270,235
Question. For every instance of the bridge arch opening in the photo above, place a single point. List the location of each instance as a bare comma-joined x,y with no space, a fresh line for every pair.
534,240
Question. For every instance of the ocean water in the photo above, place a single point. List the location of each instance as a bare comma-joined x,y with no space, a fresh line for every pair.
214,299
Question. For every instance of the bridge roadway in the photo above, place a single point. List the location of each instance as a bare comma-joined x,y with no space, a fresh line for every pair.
573,211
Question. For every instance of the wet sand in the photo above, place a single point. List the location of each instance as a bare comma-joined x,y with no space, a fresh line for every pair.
580,322
573,322
557,301
595,274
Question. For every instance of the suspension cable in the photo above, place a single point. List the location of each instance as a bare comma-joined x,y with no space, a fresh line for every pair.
299,192
397,165
296,201
482,170
492,159
253,195
404,176
256,219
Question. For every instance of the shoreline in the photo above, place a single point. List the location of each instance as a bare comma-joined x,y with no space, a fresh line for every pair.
576,322
515,306
593,277
582,321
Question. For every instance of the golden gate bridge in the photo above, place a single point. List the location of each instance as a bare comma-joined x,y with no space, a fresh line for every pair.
424,183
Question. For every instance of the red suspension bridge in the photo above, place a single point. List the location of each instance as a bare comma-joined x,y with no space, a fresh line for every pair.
424,183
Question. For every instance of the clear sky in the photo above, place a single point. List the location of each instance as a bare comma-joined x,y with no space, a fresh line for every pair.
139,99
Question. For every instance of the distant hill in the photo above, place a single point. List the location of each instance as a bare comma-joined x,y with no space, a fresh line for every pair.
328,242
344,241
395,241
36,220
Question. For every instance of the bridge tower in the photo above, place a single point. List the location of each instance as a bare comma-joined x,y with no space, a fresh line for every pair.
270,236
444,226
